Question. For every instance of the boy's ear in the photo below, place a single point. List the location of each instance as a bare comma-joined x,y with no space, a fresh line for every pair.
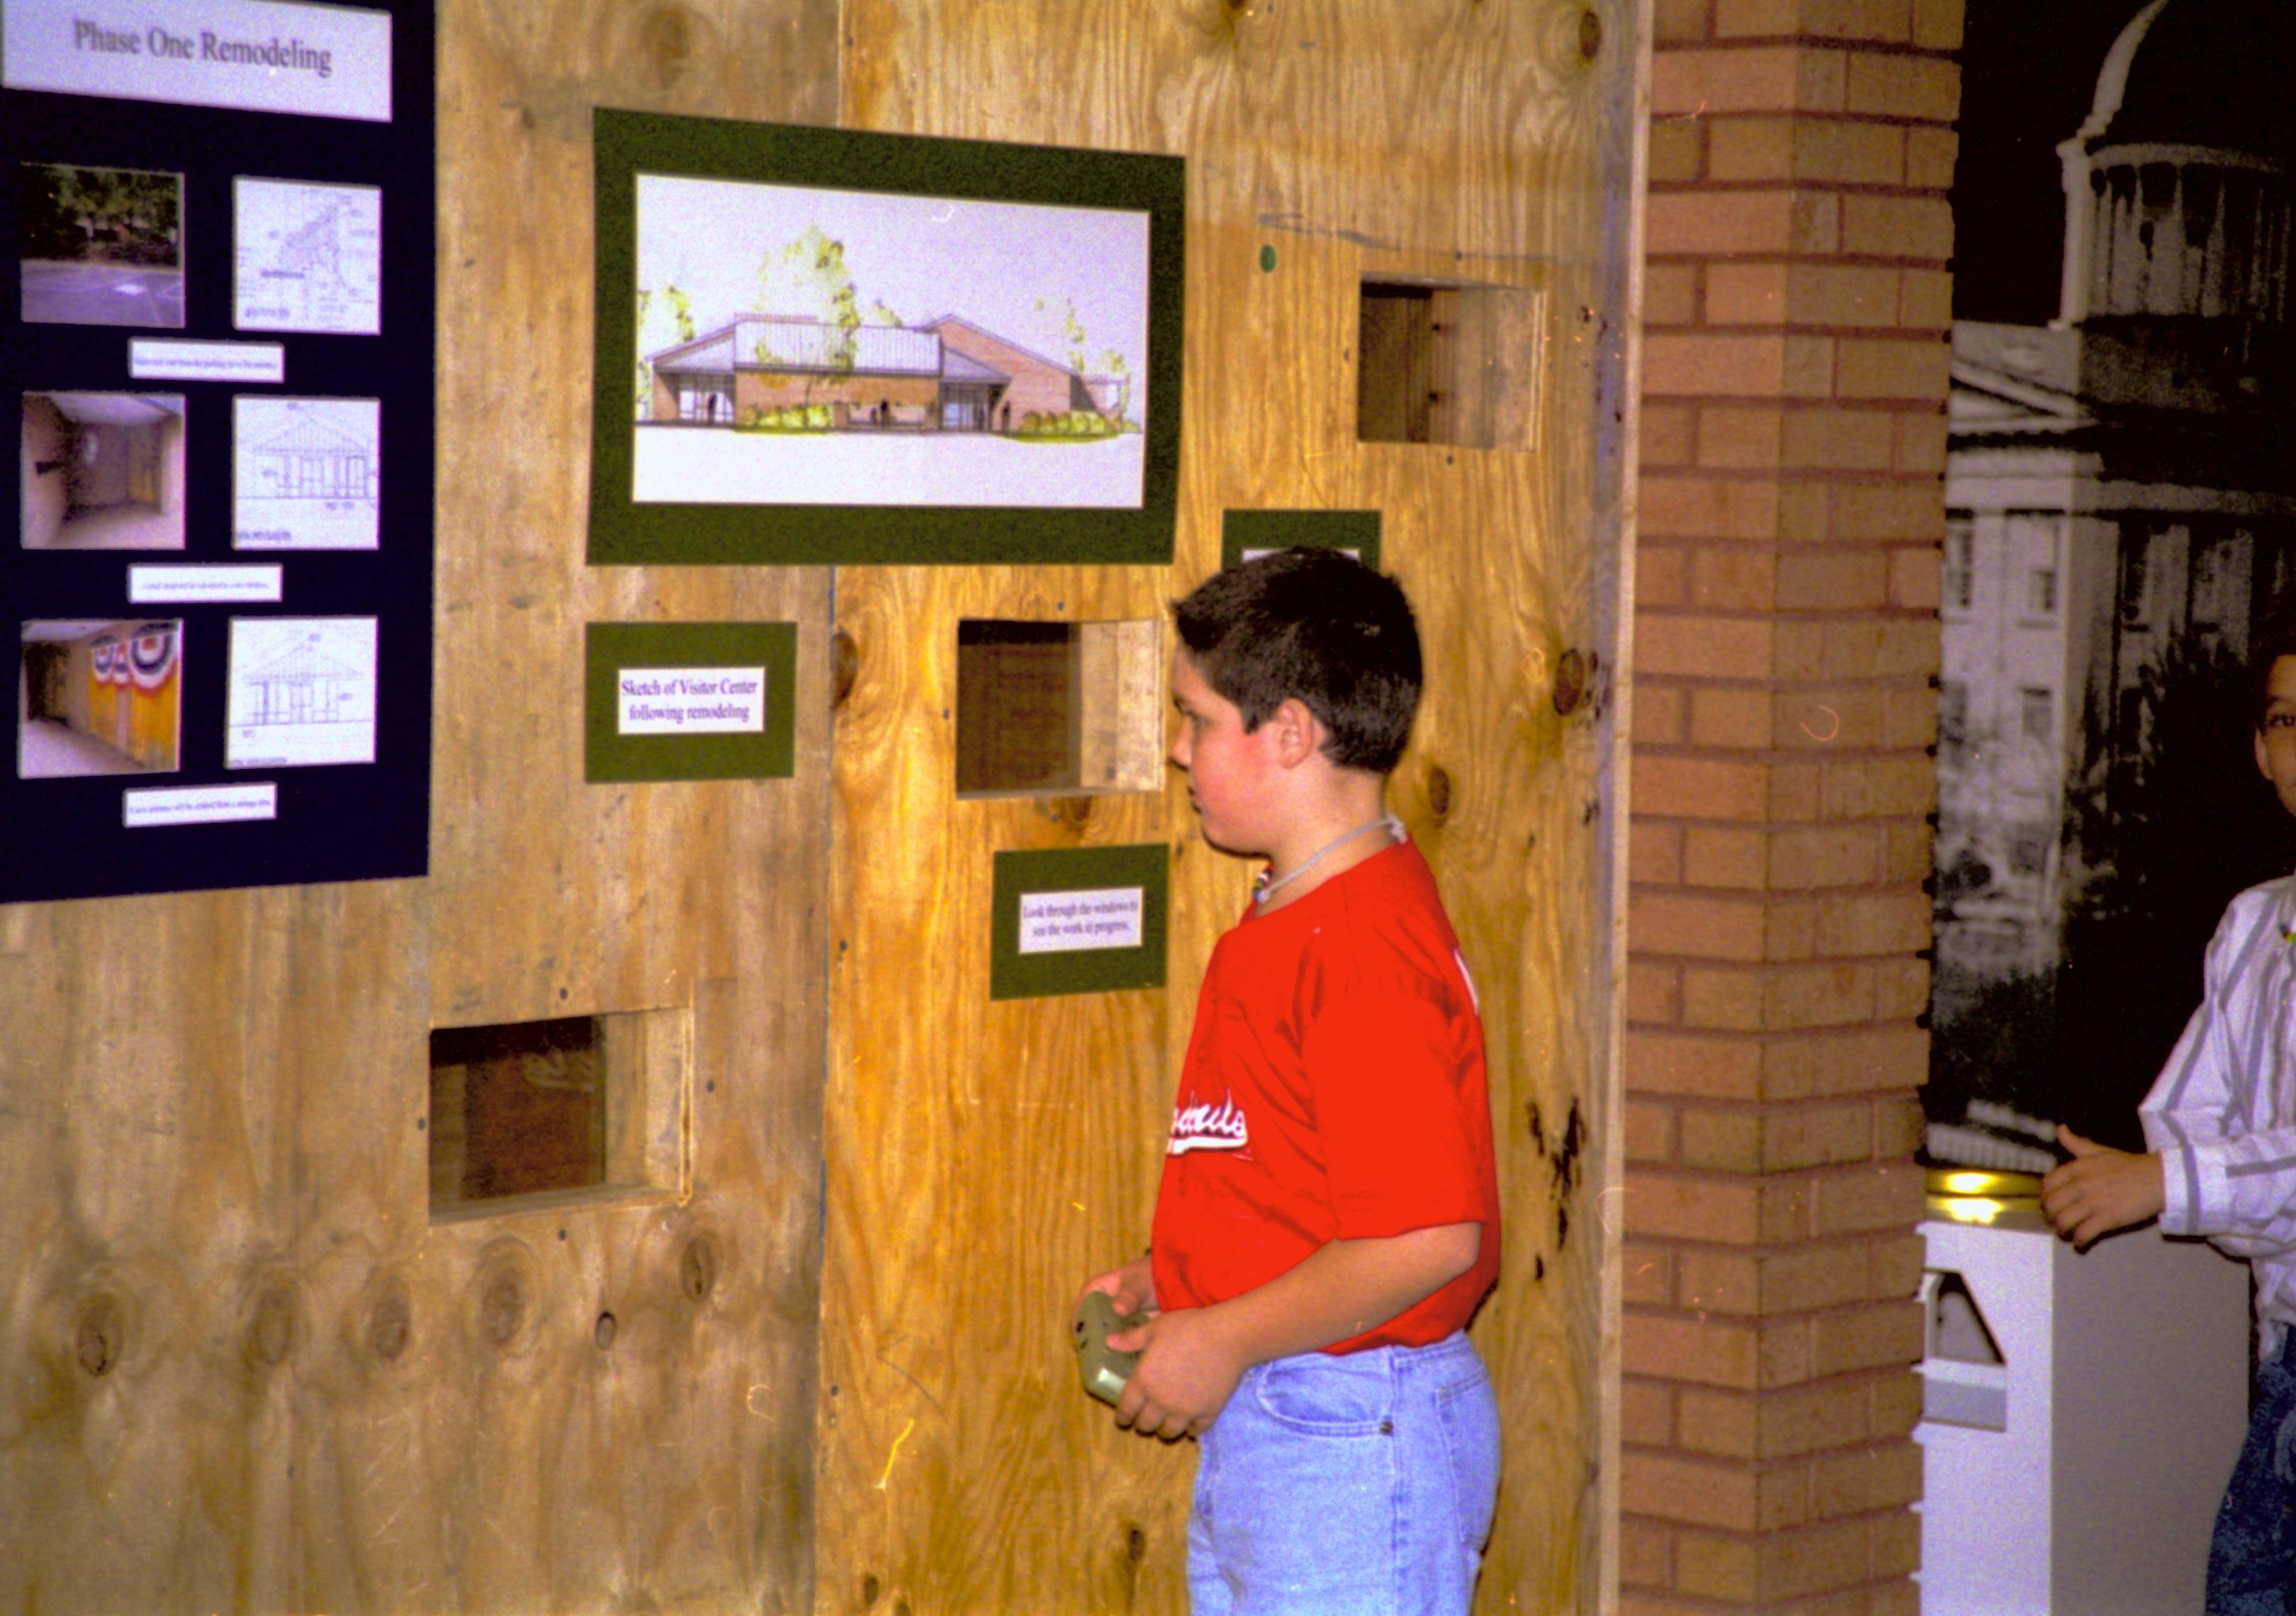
2263,757
1298,733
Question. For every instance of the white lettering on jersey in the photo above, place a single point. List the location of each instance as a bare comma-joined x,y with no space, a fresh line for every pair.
1208,1128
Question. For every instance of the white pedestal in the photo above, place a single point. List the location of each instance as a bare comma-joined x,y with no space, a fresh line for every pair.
2116,1414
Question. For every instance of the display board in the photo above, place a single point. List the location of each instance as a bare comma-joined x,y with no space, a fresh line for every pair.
216,322
1246,534
835,346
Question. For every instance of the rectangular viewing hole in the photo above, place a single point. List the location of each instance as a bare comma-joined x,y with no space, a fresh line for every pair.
1046,709
578,1106
1453,364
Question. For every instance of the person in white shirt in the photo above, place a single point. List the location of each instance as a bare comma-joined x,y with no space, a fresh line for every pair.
2221,1122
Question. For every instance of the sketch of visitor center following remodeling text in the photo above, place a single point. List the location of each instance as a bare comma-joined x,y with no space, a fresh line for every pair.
310,257
305,473
302,692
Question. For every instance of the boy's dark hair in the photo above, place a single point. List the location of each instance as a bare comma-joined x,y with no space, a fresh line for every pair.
2276,638
1318,624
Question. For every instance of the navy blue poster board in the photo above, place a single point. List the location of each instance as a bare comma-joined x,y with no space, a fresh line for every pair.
64,835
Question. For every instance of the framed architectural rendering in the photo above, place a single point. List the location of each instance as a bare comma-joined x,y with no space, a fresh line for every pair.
820,346
215,328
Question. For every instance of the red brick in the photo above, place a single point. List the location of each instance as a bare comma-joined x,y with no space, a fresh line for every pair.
1725,1568
1661,716
1904,87
1734,859
1809,366
1682,1208
1682,1489
1883,1195
1913,577
1909,853
1885,226
1927,299
1833,580
1868,1337
1712,365
1680,1064
1864,1062
1735,577
1838,719
1661,571
1669,434
1756,19
1937,24
1813,996
1672,294
1817,1135
1799,1563
1897,1552
1678,152
1884,1476
1699,788
1829,152
1649,1131
1733,719
1654,992
1881,923
1795,790
1744,148
1772,78
1674,21
1700,224
1921,442
1747,294
1653,850
1715,1279
1646,1412
1738,437
1673,506
1723,999
1875,21
1881,789
1717,647
1898,509
1897,1263
1884,368
1646,1275
1840,439
1702,1351
1646,1554
1895,1400
1835,856
1722,1141
1930,157
1809,1419
1901,988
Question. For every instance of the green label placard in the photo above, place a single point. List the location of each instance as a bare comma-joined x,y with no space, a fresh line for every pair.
1078,919
689,701
1249,532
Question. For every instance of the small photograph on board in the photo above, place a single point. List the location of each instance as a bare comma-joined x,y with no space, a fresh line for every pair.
306,473
103,471
306,257
301,692
801,346
101,246
98,697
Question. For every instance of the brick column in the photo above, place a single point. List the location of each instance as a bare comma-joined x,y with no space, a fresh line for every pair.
1792,510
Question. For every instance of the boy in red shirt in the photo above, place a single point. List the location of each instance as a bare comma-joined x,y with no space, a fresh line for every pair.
1328,1218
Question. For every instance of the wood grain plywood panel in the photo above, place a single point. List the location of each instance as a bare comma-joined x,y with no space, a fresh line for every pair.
239,1369
1481,144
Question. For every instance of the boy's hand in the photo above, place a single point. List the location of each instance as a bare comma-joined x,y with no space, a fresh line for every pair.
2100,1190
1132,1288
1187,1371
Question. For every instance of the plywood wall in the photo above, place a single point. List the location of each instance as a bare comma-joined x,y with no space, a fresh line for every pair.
240,1370
239,1366
984,1158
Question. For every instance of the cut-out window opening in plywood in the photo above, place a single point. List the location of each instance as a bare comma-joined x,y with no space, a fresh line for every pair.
1455,364
1053,708
576,1107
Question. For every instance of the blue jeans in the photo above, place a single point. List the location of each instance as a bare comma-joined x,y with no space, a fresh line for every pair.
2253,1556
1356,1486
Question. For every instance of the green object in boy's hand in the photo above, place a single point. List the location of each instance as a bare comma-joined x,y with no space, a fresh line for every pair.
1104,1368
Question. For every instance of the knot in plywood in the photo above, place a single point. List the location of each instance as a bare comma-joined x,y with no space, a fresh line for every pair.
390,1322
697,1268
271,1329
100,1333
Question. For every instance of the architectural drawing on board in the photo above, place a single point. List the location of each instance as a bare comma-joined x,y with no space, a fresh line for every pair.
302,692
305,473
2120,522
798,346
310,257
